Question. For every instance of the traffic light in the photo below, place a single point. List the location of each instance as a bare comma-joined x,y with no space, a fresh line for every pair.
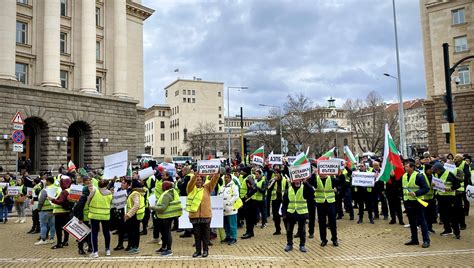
246,146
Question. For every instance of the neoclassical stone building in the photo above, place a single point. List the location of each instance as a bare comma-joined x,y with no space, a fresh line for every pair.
74,69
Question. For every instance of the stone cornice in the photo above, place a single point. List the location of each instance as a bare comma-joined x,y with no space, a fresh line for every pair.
138,11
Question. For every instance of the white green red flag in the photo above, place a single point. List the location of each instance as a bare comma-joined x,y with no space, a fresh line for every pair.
71,166
129,169
327,155
259,152
349,157
300,160
300,169
391,159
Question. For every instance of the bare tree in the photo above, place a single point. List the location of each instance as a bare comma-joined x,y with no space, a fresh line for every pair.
201,138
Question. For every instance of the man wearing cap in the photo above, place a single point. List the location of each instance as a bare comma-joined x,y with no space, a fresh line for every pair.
446,200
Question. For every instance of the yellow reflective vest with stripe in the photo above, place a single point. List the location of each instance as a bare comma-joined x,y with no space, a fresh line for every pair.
59,208
258,196
99,206
297,202
409,185
194,199
141,210
324,191
430,194
174,208
447,184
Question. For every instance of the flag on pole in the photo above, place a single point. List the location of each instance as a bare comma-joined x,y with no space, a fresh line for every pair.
129,169
300,160
349,157
327,155
259,152
307,151
71,166
391,159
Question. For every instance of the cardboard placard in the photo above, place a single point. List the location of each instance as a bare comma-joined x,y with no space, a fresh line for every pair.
291,159
363,179
342,161
75,192
4,184
275,159
257,160
301,172
13,190
438,185
329,167
145,173
217,204
208,167
29,191
451,168
76,229
152,200
119,199
117,186
115,165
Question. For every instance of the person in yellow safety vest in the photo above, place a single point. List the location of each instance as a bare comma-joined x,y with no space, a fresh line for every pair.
182,183
148,187
461,204
277,187
3,203
430,210
38,185
295,211
20,201
414,185
46,216
232,202
160,177
125,184
259,197
243,173
364,197
135,213
168,207
198,204
100,201
81,212
325,198
61,211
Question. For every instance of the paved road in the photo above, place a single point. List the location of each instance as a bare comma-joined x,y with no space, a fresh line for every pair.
360,245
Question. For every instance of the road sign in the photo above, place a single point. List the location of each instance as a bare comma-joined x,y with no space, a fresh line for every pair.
18,136
17,127
18,148
18,119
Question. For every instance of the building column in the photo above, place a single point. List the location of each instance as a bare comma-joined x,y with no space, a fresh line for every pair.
120,48
88,41
7,39
51,53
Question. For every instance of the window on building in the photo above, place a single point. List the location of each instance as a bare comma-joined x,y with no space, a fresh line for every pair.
460,44
193,92
162,150
194,100
22,2
176,93
98,84
162,124
21,32
184,100
464,75
97,50
21,72
220,108
63,77
458,16
189,100
162,136
166,93
98,16
63,42
184,91
151,125
151,137
189,92
218,94
64,8
220,128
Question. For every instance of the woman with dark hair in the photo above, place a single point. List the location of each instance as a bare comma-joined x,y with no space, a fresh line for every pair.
450,157
135,213
99,202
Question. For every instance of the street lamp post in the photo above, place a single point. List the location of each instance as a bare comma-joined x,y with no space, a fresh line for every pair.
228,118
280,115
401,116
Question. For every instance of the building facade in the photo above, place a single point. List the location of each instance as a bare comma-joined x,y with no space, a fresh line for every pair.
74,69
451,22
157,131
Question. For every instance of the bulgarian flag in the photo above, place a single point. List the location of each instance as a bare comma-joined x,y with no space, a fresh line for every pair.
301,159
259,152
349,157
391,159
71,166
129,169
327,155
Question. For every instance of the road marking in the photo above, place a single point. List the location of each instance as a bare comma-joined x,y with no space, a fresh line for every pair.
402,254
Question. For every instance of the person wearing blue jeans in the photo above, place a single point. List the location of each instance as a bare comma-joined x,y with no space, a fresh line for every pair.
46,216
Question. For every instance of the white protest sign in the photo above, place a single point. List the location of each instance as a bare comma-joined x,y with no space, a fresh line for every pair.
257,160
3,184
29,191
438,185
76,229
51,192
13,190
145,173
470,193
275,159
75,192
115,165
152,200
329,167
451,168
117,186
169,167
342,161
301,172
291,159
217,204
208,167
120,199
363,179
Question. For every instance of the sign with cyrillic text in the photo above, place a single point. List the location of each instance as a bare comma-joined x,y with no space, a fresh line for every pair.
438,185
208,167
76,229
257,160
470,193
115,165
363,179
275,159
291,159
75,192
217,221
451,168
329,167
13,190
301,172
120,199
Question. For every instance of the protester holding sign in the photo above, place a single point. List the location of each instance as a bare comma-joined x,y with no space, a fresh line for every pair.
364,197
61,211
461,204
259,196
45,209
100,201
120,212
198,204
325,197
134,215
277,187
35,228
430,210
81,212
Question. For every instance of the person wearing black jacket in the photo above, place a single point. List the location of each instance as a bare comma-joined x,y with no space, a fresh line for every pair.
311,206
277,187
125,184
446,200
429,198
325,197
35,228
379,194
295,210
345,179
250,207
394,193
79,210
182,185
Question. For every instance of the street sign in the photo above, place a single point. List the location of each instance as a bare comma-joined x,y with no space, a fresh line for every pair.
18,148
18,119
17,127
18,136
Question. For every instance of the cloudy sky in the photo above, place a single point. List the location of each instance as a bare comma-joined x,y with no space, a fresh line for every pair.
320,48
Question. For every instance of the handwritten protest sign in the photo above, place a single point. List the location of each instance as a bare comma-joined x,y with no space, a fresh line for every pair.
119,199
115,165
342,161
438,185
470,193
75,192
363,179
13,190
301,172
451,168
217,203
76,229
208,167
328,167
257,160
291,159
145,173
275,159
